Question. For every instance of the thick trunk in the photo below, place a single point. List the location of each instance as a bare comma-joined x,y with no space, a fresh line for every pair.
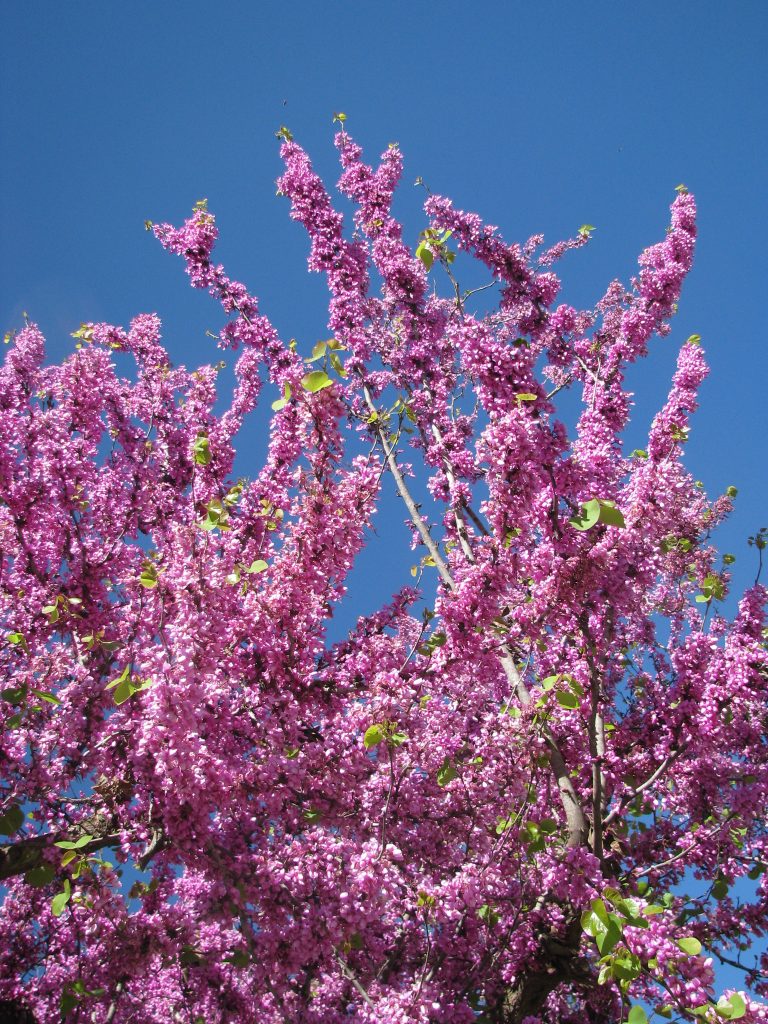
559,962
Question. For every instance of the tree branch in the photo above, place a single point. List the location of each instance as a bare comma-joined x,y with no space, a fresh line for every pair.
578,827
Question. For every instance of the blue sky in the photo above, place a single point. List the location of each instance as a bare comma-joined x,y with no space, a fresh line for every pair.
541,116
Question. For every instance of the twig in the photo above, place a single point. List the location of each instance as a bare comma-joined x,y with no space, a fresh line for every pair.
656,774
156,843
639,872
410,504
578,827
112,1009
350,975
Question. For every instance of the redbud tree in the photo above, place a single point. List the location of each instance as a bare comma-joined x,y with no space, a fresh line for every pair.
530,789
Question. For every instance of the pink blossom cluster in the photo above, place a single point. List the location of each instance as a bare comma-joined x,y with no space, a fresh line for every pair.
530,789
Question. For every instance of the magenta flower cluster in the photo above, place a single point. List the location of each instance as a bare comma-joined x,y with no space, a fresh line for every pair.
531,789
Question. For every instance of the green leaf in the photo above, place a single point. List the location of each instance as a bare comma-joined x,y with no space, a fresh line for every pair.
281,403
567,700
11,821
446,773
374,735
525,396
256,567
15,694
318,351
690,945
148,577
640,453
312,815
66,844
201,451
626,966
720,888
44,695
610,515
487,914
595,920
40,876
594,511
67,1002
586,228
61,899
125,674
610,938
425,254
574,686
316,381
190,957
124,691
732,1008
52,611
588,517
397,739
338,366
637,1015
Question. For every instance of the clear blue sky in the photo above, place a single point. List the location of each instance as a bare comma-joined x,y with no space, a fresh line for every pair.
541,116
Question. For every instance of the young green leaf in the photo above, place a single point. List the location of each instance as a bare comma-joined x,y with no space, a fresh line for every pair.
595,919
316,381
78,844
256,567
690,945
281,403
40,876
47,697
588,517
567,700
201,451
610,515
374,734
11,820
732,1008
61,899
425,254
446,773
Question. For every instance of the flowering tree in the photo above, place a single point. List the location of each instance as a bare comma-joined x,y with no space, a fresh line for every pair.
526,790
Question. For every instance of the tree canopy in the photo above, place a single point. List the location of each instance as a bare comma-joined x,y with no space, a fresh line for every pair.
530,789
